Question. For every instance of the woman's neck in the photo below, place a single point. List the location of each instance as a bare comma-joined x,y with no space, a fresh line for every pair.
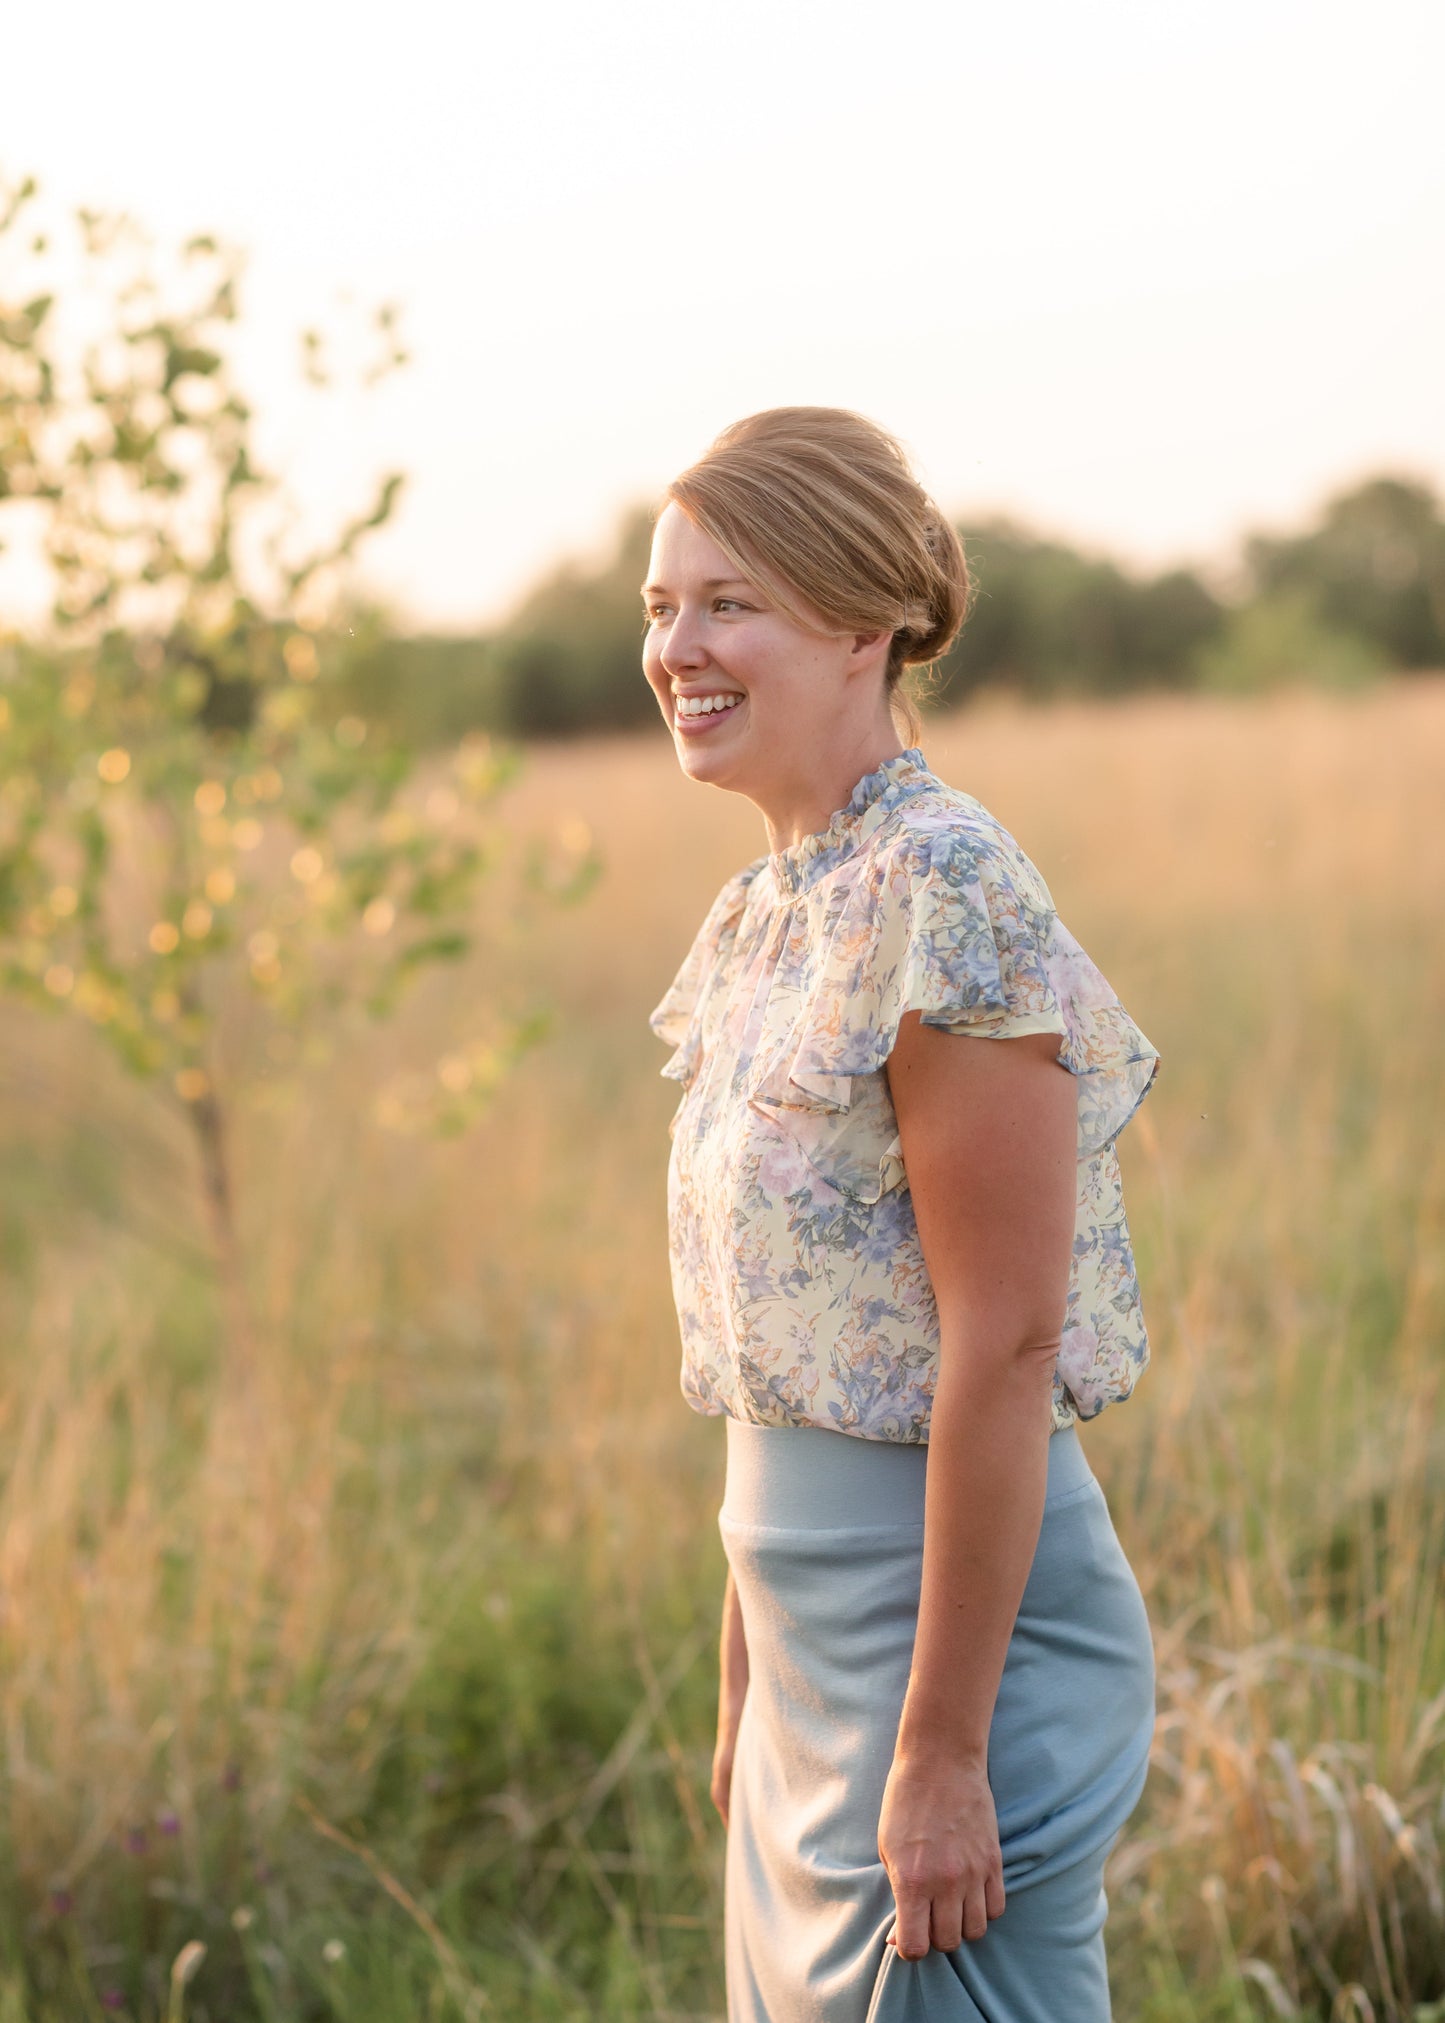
807,801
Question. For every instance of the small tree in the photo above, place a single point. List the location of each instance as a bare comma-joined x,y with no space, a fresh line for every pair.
180,811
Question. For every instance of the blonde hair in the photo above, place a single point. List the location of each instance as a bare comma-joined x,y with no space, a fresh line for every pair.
819,504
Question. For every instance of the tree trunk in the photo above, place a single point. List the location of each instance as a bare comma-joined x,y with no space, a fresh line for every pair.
209,1124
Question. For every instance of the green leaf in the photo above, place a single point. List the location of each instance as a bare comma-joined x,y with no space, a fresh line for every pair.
435,948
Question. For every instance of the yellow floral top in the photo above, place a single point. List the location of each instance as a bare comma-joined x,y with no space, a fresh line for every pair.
802,1295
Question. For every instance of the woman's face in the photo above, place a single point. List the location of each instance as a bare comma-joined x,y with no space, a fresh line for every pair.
752,697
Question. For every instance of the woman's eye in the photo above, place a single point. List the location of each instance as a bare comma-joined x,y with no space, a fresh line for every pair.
656,612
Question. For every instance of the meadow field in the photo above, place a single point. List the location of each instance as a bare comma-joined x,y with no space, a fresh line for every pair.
389,1676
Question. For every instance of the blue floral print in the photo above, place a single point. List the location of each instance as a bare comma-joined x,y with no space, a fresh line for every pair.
801,1290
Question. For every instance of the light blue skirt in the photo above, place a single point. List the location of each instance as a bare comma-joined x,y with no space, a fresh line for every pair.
824,1534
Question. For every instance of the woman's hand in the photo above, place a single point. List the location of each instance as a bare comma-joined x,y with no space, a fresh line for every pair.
732,1692
938,1840
722,1767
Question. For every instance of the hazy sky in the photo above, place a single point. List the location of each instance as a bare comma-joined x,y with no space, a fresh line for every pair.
1143,274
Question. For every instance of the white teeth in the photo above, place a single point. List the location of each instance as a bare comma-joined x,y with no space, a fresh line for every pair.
702,705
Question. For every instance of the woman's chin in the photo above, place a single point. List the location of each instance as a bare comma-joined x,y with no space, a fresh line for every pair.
709,754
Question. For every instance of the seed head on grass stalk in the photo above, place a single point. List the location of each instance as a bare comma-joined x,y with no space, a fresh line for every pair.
184,1968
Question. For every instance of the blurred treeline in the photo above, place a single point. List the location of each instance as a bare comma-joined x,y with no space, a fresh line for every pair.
1359,592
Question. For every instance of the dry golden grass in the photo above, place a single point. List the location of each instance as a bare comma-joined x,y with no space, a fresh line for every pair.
478,1336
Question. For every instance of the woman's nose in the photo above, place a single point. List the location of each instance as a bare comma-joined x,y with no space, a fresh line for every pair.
683,648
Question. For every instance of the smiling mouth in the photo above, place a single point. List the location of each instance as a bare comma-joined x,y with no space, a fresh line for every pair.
693,714
707,705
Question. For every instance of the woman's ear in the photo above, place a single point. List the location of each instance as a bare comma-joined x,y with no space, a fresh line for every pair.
867,643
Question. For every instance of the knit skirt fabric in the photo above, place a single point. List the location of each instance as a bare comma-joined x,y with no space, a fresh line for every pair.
824,1534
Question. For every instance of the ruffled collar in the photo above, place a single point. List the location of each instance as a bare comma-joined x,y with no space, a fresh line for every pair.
871,801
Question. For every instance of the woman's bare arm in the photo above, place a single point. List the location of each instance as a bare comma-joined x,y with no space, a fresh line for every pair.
989,1131
732,1691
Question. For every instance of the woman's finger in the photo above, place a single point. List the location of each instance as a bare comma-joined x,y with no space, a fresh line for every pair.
911,1924
993,1896
946,1922
975,1915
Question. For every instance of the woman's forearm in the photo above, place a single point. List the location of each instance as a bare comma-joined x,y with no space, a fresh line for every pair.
732,1660
989,1429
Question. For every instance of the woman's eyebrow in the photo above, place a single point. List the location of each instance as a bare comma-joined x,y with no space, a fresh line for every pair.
712,583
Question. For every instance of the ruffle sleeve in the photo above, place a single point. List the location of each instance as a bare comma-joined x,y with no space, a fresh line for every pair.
956,923
678,1018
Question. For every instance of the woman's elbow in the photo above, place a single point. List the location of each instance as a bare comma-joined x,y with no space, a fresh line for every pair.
1023,1351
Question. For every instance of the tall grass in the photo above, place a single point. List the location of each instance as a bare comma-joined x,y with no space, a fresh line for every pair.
391,1681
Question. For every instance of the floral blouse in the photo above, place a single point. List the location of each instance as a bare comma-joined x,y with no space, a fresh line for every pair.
802,1294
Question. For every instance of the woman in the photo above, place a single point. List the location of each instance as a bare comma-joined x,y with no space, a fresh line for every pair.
902,1273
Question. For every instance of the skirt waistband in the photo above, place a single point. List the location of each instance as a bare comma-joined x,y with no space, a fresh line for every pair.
809,1478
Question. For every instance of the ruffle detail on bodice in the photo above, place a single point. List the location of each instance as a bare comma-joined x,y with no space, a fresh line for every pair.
960,928
677,1020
